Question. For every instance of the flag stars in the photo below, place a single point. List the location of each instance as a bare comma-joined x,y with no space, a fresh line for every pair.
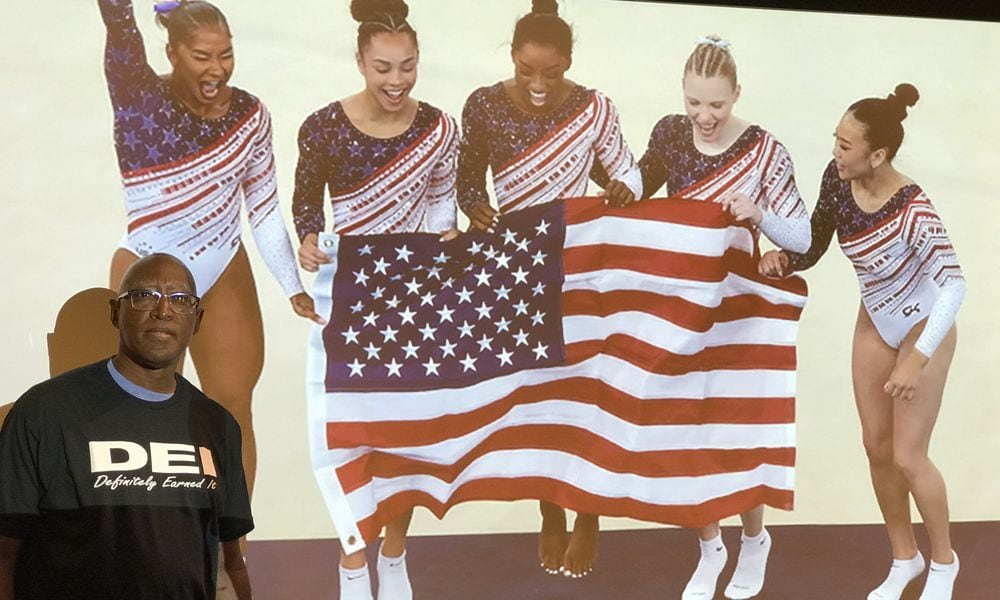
350,336
503,261
365,250
448,349
505,357
476,248
521,308
356,368
520,275
381,265
411,350
404,254
541,351
465,329
484,311
389,333
412,286
441,259
445,313
502,325
522,245
407,316
468,364
370,319
465,295
542,228
491,253
431,367
483,277
394,368
538,318
361,278
428,332
502,292
360,306
427,299
538,258
378,293
372,351
434,272
509,237
392,302
521,338
538,290
485,343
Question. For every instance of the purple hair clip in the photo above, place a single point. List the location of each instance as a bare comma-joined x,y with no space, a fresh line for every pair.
165,7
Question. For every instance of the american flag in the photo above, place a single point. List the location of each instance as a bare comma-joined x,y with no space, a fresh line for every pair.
621,362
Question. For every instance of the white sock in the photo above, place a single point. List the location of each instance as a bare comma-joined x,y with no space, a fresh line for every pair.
704,579
940,580
900,575
748,579
393,581
355,584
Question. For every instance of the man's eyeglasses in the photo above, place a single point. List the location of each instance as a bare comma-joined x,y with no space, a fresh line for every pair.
180,302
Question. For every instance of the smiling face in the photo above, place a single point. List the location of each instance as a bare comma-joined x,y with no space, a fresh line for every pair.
709,104
154,339
852,153
389,65
539,73
202,66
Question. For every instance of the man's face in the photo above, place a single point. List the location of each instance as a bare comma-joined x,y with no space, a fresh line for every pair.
155,338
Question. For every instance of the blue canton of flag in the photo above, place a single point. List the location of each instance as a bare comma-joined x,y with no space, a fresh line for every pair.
411,312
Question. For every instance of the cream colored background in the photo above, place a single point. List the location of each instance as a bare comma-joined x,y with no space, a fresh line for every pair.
63,215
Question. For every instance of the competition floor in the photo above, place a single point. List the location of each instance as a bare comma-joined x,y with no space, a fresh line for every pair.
807,563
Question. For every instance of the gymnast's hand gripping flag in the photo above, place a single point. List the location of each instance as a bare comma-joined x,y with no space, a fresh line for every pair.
614,361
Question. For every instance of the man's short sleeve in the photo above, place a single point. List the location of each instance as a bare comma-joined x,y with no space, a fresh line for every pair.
21,488
235,519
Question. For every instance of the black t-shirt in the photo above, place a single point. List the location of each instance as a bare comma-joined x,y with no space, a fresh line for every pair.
119,498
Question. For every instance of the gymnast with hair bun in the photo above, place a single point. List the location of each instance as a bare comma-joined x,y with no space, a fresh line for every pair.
904,339
544,138
388,161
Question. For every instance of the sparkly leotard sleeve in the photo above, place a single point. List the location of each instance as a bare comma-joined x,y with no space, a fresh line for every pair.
184,175
906,265
401,184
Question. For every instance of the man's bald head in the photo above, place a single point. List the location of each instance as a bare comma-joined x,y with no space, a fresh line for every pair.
141,269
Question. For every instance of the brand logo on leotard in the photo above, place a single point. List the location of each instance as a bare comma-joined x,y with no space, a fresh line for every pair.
909,310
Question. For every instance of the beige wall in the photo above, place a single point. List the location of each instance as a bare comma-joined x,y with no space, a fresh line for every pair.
62,204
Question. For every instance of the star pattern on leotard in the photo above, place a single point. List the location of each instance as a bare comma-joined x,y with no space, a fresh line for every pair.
340,157
672,158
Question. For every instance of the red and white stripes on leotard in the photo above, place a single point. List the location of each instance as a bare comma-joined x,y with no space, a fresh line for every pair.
413,192
191,207
902,264
558,165
763,171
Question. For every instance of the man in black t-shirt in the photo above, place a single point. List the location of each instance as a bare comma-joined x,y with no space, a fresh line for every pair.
120,479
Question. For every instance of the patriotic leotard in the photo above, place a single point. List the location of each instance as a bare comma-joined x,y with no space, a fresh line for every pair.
756,164
401,184
906,266
184,175
539,158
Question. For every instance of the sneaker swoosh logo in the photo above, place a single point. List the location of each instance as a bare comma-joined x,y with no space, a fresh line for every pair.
355,578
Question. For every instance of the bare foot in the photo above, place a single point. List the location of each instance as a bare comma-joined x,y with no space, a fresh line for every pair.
581,554
552,541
